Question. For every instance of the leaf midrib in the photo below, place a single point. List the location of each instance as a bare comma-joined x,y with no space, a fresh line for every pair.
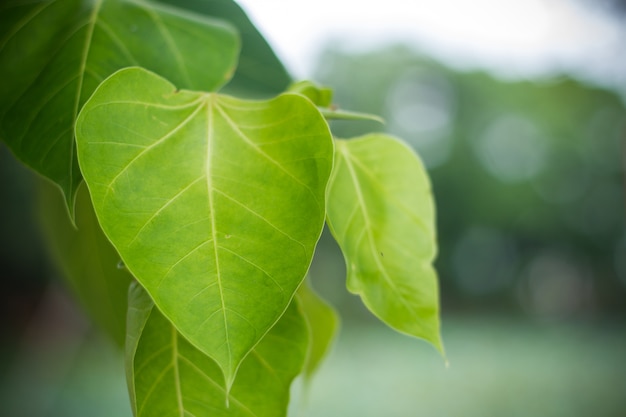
228,374
79,88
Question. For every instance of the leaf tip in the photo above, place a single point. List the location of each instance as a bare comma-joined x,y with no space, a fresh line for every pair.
437,343
228,385
69,198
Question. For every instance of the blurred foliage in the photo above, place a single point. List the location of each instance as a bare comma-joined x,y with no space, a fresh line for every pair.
527,177
498,367
22,265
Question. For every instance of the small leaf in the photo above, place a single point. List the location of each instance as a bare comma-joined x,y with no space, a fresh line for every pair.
167,376
215,204
56,52
86,258
323,324
320,96
381,212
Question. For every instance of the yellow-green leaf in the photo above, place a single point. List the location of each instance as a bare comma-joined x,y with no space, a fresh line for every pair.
167,376
381,212
215,204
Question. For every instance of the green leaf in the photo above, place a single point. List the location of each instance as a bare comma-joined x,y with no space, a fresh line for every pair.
53,54
259,71
167,376
320,96
214,203
86,258
381,212
323,324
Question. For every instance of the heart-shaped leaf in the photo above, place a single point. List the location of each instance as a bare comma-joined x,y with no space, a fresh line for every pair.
167,376
54,53
381,212
215,204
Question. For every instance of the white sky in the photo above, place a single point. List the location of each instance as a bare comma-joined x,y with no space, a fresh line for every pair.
510,37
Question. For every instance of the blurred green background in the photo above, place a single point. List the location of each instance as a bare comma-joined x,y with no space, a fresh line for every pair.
529,182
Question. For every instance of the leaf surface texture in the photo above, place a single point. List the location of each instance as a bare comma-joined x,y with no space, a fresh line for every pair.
215,204
168,376
381,212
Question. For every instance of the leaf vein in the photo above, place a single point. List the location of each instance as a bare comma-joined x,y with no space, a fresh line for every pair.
165,32
264,364
145,362
153,386
34,113
203,374
108,30
26,20
251,211
175,264
243,258
210,188
79,87
163,207
152,146
264,154
53,143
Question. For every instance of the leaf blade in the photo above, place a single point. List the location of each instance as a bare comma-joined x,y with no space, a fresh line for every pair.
205,189
380,211
168,376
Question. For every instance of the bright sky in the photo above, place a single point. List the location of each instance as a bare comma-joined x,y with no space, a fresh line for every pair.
510,37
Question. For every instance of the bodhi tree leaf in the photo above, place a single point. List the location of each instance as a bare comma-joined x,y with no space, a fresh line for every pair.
215,204
380,210
86,258
323,324
167,376
53,54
